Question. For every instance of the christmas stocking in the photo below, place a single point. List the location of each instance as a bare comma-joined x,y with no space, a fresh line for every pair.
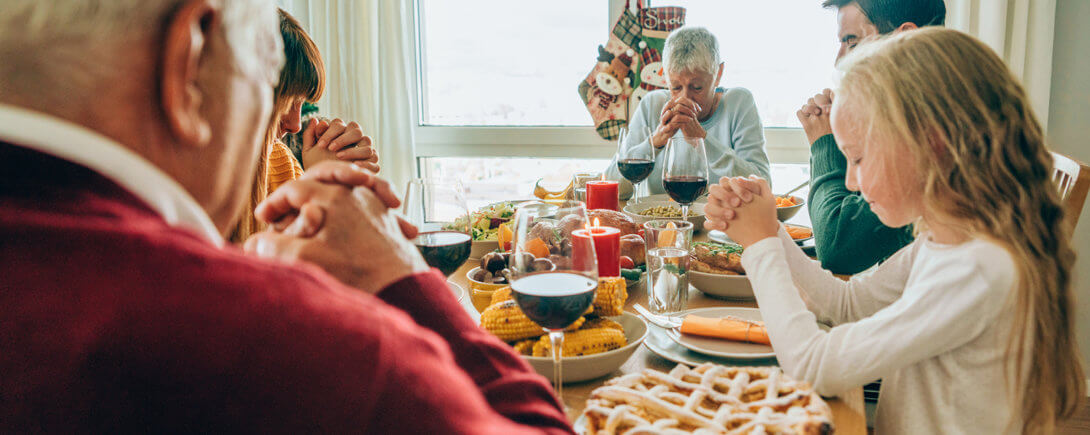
655,24
612,88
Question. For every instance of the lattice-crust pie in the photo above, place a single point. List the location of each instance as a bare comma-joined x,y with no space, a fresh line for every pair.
709,399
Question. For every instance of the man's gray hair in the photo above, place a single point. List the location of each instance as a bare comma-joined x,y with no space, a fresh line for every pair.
70,43
692,49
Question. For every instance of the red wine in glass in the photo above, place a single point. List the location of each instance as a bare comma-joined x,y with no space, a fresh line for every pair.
554,300
635,170
685,188
444,250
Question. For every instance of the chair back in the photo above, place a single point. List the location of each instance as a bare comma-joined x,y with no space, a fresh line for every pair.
1072,179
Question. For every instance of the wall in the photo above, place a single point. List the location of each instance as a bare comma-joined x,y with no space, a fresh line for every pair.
1069,121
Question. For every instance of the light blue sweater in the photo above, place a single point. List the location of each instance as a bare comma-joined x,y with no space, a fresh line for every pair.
735,141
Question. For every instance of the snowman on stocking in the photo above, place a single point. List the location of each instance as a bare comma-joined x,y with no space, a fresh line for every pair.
652,76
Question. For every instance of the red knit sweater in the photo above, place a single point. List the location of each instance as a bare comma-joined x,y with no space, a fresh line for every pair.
112,320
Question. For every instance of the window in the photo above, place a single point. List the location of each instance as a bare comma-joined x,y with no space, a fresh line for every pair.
499,78
502,62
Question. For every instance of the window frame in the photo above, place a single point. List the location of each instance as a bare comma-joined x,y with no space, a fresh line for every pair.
782,144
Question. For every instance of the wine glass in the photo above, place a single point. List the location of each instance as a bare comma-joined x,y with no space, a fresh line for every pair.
685,176
635,160
554,275
438,208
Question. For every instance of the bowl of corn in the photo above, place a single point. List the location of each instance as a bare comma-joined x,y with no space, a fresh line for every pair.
596,345
646,211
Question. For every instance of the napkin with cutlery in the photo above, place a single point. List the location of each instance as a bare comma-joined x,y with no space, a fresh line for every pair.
729,327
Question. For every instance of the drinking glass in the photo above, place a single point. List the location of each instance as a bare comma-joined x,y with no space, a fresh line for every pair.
635,161
668,246
553,275
438,208
579,184
685,175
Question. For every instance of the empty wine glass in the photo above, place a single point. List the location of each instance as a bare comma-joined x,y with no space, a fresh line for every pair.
438,209
685,174
635,160
553,275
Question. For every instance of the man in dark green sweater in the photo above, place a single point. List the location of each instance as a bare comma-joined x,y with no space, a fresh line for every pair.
848,235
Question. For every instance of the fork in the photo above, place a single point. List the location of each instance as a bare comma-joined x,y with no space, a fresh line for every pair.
668,322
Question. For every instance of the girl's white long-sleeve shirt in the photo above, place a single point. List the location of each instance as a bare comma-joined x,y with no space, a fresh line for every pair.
735,141
932,322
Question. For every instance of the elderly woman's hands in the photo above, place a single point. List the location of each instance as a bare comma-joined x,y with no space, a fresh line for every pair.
336,140
679,113
323,220
744,208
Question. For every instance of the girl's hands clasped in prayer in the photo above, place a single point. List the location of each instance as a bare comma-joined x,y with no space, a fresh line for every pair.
336,140
744,208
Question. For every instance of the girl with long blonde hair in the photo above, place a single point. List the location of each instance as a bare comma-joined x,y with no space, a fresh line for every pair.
970,327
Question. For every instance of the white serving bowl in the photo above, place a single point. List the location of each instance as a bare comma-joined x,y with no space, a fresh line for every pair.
583,368
696,212
734,287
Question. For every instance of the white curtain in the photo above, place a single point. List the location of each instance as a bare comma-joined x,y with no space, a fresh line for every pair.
368,48
1021,31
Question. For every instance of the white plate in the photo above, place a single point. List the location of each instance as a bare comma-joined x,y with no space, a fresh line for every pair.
721,237
660,343
720,347
459,292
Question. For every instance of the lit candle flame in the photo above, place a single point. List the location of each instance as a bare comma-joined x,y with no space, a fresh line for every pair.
603,176
597,223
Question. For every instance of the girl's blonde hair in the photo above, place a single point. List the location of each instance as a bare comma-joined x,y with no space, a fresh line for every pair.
966,122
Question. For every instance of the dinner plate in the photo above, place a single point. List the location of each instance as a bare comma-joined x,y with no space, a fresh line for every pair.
459,292
659,343
720,347
721,237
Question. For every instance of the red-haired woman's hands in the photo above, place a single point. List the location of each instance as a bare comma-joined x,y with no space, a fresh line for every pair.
337,140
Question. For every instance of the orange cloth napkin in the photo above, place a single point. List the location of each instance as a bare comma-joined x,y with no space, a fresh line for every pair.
730,328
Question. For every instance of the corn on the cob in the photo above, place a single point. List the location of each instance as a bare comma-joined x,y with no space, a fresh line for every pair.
583,342
611,296
525,347
507,322
503,294
602,322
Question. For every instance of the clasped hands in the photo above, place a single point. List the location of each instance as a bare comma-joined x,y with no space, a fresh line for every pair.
337,217
744,208
679,113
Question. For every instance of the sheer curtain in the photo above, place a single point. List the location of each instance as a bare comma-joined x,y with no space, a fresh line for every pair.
368,48
1021,31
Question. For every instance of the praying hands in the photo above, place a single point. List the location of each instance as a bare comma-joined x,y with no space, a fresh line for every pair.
744,208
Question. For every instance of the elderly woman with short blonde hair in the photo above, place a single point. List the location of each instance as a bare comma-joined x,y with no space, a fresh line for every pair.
695,106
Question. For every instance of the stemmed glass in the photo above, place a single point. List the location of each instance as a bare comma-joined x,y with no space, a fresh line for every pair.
553,281
685,176
438,209
635,161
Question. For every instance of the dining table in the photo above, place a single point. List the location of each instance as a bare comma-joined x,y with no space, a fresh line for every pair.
849,415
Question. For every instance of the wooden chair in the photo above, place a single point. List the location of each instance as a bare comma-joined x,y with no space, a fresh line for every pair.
1072,178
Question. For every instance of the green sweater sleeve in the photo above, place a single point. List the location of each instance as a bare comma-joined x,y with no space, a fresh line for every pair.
848,236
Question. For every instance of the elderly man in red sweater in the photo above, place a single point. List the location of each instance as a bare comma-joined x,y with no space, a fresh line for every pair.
128,134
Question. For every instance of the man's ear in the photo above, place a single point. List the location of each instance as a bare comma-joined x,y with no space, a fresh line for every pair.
719,75
906,26
183,48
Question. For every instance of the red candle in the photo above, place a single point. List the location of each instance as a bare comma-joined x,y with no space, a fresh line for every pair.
602,194
607,249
